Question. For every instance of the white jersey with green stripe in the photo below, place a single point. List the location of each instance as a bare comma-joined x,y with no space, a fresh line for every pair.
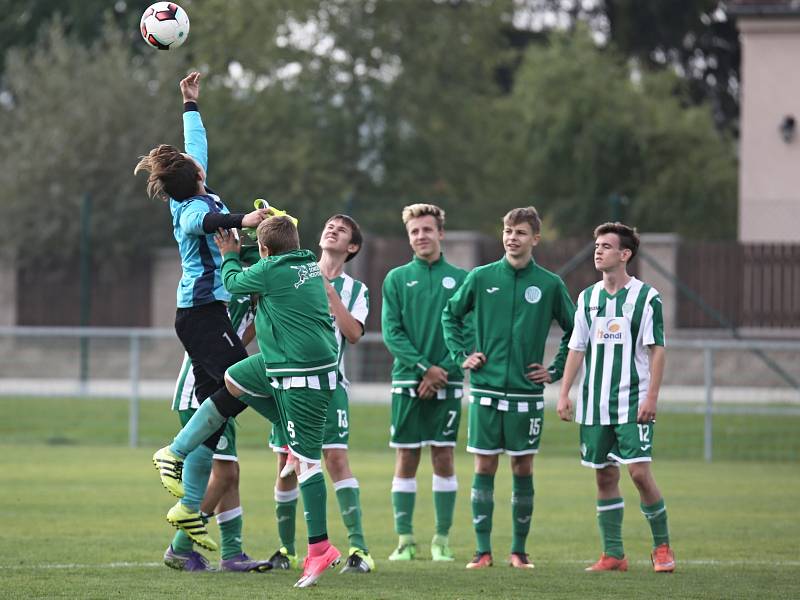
355,297
242,314
614,331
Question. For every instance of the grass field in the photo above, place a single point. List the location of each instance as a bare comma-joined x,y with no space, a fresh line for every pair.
83,516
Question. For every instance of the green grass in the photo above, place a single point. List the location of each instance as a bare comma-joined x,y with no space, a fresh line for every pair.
63,421
83,517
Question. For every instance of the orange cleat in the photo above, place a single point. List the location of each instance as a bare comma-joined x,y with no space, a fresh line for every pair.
519,561
609,563
480,561
663,559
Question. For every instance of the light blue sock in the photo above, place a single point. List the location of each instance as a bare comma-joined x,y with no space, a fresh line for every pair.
203,423
196,471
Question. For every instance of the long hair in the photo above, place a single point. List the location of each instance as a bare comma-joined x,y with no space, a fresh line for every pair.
172,174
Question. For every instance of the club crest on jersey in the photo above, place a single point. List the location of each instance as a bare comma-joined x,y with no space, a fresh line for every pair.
448,283
533,294
306,272
627,309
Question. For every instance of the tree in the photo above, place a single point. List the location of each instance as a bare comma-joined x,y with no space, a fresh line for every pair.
587,129
77,120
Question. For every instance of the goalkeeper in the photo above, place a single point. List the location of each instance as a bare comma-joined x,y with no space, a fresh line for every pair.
290,381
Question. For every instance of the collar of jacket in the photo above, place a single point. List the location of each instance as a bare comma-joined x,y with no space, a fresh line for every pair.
424,263
524,270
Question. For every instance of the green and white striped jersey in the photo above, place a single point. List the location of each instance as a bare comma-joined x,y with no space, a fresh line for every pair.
355,297
242,313
614,330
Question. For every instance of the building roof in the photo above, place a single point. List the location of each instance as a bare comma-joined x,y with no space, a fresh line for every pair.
763,8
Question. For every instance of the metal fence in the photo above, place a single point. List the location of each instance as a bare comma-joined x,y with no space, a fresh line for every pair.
137,362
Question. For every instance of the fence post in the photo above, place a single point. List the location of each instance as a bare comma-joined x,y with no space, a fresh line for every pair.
133,414
708,369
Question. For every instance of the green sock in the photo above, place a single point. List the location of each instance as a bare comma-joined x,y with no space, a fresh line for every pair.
609,519
482,508
230,531
350,506
286,515
315,497
205,421
182,543
196,473
656,515
444,502
521,511
404,494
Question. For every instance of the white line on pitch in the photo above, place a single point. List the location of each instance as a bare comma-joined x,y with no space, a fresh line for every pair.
138,565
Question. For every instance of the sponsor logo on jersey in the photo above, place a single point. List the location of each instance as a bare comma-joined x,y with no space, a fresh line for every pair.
613,331
492,290
412,283
533,294
306,272
448,283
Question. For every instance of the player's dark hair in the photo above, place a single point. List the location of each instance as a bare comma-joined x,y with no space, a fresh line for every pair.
278,235
628,236
527,215
172,173
355,233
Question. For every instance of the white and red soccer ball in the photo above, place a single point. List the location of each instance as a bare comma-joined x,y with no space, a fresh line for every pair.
164,25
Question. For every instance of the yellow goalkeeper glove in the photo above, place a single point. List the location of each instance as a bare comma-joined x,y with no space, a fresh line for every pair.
260,203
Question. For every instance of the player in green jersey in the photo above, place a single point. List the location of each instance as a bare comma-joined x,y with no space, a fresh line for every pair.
348,299
293,377
513,302
619,339
427,383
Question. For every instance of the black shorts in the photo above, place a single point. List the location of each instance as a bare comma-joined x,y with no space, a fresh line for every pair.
211,342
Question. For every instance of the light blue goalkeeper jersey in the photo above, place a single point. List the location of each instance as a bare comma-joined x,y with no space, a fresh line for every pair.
200,258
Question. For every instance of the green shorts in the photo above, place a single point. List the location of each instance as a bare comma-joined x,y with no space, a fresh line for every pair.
337,425
250,376
608,445
492,430
417,423
226,447
300,410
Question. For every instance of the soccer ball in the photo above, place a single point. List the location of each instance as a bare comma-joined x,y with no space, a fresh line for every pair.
164,25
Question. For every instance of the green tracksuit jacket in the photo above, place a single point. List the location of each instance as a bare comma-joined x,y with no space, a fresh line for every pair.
294,327
411,320
512,311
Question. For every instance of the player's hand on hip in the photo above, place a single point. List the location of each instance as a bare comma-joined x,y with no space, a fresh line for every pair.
537,373
190,87
564,408
227,240
252,219
474,361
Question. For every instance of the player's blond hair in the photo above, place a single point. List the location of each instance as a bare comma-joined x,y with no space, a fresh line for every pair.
412,211
278,235
527,214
